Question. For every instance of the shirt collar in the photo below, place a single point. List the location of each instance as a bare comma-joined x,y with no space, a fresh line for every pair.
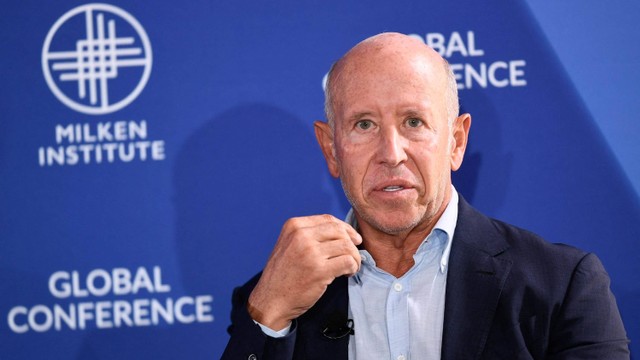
446,224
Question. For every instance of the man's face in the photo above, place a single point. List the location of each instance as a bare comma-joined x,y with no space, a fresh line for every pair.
392,146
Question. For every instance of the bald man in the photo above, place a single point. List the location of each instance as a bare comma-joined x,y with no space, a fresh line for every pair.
415,272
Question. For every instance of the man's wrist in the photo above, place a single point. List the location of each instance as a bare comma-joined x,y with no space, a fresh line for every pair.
267,319
274,333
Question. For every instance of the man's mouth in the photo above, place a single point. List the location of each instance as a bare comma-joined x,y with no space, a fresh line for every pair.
393,188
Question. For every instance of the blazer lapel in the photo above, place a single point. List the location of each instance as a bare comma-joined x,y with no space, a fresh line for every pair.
475,280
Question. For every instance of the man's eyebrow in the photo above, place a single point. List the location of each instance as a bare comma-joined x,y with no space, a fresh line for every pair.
411,112
360,115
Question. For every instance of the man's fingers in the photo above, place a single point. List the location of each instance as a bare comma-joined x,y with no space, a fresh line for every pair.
343,265
329,228
353,234
311,221
339,247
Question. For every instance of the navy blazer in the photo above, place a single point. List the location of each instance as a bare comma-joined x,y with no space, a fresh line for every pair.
510,295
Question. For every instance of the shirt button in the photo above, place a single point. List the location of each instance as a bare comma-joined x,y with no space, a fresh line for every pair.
398,287
402,357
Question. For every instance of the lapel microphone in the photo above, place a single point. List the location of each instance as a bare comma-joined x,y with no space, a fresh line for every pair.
337,326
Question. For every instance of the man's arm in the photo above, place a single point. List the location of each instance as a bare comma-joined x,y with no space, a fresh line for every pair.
589,325
309,254
247,339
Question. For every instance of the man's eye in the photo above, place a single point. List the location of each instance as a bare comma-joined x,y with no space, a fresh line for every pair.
414,122
364,124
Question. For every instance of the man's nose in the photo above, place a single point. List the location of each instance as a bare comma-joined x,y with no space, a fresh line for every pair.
391,148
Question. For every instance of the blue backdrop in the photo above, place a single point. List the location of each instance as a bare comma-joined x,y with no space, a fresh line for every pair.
150,152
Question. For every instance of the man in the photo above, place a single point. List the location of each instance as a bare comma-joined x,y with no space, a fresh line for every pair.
415,272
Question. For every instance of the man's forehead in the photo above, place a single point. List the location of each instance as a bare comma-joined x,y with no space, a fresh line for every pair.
386,77
387,68
388,56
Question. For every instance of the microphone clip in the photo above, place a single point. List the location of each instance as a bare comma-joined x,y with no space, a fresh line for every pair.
337,330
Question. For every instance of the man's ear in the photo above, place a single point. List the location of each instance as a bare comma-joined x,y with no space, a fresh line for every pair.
324,135
460,136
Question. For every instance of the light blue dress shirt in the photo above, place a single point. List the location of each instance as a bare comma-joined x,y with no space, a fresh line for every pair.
402,318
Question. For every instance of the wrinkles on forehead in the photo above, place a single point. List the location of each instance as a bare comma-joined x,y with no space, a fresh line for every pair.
383,54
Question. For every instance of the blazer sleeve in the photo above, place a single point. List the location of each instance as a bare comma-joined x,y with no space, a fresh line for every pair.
247,341
588,325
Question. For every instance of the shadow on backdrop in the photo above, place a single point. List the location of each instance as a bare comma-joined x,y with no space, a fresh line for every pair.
486,165
237,179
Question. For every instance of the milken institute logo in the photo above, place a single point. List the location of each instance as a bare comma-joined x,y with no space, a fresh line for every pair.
96,59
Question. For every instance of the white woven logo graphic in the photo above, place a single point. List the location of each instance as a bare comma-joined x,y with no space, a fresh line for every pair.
96,59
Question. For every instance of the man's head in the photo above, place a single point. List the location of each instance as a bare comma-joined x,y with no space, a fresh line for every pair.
393,136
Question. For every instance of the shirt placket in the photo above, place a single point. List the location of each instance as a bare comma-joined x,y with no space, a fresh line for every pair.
398,319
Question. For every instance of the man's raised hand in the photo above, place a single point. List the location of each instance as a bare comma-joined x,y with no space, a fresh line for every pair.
309,254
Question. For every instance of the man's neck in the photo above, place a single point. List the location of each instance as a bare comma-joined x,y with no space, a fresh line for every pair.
393,253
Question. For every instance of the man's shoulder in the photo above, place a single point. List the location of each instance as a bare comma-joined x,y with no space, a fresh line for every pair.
524,243
480,230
